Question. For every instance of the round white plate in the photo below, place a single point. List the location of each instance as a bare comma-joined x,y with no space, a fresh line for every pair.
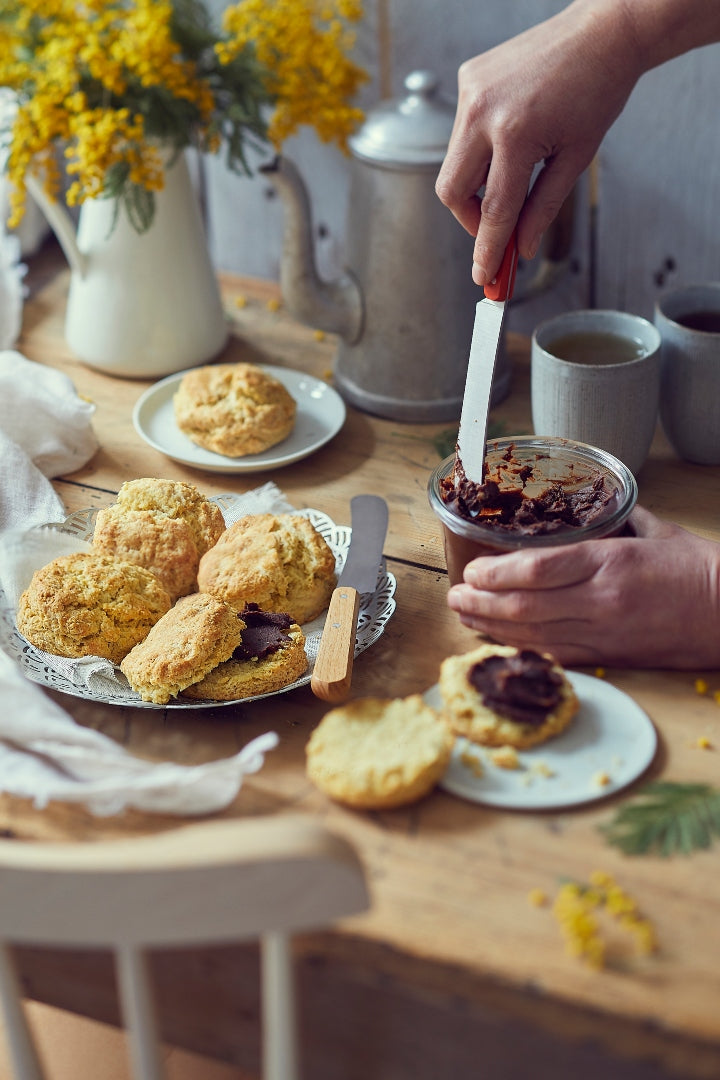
611,736
320,415
110,687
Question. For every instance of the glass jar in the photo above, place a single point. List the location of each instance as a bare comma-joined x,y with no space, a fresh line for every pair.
554,461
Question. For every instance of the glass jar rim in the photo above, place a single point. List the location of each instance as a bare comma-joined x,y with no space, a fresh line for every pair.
625,484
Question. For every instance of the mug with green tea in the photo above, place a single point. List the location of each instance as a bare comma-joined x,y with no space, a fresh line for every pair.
595,378
688,319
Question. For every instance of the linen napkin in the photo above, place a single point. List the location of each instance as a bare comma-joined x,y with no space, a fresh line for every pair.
46,755
45,431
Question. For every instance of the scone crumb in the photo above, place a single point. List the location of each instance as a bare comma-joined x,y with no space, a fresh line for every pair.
601,779
541,768
703,743
538,898
273,304
471,761
505,757
599,672
319,335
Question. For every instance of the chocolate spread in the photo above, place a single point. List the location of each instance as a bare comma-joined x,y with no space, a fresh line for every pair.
265,632
523,687
516,497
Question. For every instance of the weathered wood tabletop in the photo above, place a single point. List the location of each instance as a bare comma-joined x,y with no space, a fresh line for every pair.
453,971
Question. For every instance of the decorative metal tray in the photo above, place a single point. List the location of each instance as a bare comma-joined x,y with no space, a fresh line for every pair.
99,681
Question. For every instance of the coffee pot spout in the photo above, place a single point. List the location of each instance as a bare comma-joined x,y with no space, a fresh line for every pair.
334,306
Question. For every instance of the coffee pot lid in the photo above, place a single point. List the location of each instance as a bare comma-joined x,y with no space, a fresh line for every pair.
409,131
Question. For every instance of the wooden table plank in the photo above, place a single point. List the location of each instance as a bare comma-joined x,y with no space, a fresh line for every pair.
450,880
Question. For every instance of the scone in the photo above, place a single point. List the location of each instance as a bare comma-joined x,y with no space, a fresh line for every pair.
377,753
234,409
270,656
90,605
163,525
278,561
196,635
498,695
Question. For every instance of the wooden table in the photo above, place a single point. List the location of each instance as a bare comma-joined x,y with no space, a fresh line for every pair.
453,972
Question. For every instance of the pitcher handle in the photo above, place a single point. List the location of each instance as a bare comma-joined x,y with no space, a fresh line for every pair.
60,222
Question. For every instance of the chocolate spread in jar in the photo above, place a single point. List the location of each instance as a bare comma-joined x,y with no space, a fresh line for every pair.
527,497
523,687
265,632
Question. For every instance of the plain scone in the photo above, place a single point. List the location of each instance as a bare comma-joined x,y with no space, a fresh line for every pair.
379,753
165,526
467,714
90,605
278,561
234,409
196,635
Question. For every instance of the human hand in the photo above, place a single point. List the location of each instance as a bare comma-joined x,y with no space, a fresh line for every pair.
648,600
548,95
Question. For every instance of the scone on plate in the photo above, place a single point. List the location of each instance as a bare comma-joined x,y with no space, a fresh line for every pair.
498,695
278,561
90,605
270,656
196,635
379,753
163,525
234,409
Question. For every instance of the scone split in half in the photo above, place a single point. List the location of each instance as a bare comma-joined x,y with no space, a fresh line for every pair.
379,753
498,695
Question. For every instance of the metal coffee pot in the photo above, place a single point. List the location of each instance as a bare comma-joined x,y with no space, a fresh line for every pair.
405,306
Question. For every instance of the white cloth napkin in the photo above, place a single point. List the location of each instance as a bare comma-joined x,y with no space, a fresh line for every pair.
45,431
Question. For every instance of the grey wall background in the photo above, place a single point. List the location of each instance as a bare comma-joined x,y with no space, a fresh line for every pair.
654,217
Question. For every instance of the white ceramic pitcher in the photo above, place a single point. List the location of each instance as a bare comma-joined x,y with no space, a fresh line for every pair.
140,305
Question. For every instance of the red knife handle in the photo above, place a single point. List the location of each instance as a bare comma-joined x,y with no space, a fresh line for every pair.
501,288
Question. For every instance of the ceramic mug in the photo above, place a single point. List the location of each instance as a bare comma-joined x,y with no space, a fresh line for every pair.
689,323
595,378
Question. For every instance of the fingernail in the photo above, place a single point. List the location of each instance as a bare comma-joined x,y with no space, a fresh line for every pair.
534,245
478,274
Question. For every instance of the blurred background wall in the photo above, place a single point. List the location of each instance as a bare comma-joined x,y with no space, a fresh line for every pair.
648,217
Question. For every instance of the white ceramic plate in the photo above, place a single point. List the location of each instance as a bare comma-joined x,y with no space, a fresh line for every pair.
320,415
610,736
58,673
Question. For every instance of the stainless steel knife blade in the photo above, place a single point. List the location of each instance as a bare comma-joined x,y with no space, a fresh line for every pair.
332,674
487,330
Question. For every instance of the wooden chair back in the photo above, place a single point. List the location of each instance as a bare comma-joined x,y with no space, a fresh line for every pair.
206,883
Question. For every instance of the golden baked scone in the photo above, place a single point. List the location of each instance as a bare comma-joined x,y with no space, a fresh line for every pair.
234,409
378,753
278,561
90,605
498,695
196,635
270,656
163,525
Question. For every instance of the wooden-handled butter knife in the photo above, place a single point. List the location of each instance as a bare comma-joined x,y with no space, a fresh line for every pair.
332,674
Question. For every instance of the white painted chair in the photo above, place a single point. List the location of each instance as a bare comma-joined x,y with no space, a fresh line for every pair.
208,882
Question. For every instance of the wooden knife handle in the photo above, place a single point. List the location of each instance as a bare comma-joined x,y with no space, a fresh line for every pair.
332,673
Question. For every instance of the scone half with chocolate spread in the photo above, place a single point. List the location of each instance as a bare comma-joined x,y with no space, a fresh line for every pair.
196,635
271,655
498,695
379,753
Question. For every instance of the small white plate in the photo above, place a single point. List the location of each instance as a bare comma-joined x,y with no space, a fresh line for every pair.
610,736
320,415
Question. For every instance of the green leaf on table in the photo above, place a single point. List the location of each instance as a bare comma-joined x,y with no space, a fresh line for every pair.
666,819
445,441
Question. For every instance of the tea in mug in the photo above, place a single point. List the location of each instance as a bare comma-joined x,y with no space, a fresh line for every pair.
709,321
586,347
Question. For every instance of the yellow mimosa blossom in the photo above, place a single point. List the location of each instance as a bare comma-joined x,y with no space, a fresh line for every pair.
102,83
